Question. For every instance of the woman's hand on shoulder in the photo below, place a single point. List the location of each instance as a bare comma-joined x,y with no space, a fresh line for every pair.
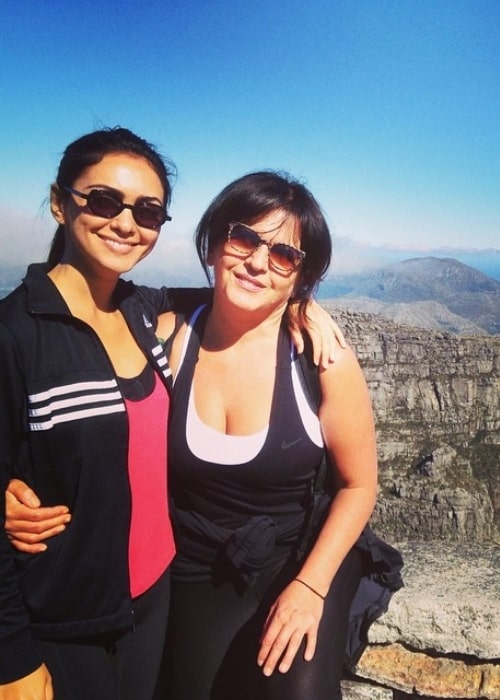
27,523
295,614
326,337
35,686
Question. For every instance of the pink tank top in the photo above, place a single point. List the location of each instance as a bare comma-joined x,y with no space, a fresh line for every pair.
151,540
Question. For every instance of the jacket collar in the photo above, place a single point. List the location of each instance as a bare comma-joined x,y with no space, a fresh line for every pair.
41,293
43,297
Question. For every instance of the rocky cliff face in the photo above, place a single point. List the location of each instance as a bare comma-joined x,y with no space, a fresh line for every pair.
436,399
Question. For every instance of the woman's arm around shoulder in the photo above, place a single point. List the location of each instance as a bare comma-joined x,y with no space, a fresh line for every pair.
324,334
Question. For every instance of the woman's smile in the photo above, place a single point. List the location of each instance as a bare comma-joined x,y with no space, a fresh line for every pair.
117,245
249,283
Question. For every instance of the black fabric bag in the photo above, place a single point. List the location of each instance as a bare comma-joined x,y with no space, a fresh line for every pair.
382,563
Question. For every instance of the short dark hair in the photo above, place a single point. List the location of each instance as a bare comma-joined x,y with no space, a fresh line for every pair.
251,197
89,150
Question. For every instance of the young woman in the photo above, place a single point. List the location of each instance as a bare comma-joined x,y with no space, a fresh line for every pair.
83,415
249,618
82,375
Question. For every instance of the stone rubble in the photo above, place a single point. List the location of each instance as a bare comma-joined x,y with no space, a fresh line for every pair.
440,637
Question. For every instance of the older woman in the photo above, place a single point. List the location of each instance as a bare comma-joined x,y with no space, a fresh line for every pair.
249,619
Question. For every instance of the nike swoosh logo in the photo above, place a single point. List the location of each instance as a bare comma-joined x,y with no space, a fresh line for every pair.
286,445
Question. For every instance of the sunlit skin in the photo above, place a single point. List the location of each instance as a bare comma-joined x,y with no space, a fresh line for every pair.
99,250
108,247
250,299
249,283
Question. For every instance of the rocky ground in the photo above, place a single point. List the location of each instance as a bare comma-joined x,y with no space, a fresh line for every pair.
440,637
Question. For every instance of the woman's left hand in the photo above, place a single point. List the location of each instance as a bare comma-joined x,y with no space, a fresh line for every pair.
295,614
324,333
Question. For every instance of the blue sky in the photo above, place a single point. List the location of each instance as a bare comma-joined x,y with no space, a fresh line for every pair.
389,110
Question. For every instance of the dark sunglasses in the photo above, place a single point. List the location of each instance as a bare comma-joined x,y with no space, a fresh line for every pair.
282,257
108,205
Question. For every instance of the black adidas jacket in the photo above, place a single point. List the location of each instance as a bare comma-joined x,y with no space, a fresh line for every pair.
64,430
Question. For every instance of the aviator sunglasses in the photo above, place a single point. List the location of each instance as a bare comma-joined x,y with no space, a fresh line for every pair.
282,257
108,205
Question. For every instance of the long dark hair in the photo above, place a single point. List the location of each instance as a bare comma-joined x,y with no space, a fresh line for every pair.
89,150
251,197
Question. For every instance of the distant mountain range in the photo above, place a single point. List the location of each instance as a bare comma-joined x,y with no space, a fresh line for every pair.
427,292
351,257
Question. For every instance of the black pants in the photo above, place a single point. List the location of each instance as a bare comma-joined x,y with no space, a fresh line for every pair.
114,666
213,638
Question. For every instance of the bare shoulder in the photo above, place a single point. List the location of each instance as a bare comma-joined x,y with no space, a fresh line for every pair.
345,362
344,376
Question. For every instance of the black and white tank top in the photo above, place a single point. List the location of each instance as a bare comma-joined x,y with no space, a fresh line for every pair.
224,484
